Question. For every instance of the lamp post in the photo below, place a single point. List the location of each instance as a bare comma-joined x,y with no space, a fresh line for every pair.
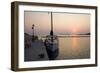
33,32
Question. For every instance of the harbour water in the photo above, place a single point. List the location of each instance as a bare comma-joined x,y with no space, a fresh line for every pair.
70,47
76,47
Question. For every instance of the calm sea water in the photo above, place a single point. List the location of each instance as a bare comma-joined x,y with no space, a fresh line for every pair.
70,47
74,47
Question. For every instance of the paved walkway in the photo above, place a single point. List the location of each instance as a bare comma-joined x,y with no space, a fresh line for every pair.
36,52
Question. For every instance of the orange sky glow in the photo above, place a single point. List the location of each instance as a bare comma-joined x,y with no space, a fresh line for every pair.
63,23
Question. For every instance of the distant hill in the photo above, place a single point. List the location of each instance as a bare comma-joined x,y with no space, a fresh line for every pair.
27,40
84,34
88,34
26,34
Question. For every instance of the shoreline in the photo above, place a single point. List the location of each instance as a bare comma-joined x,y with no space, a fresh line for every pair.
69,36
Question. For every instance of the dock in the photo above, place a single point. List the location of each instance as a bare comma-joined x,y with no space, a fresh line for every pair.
36,51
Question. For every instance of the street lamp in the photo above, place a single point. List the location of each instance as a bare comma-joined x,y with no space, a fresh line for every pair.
33,28
33,32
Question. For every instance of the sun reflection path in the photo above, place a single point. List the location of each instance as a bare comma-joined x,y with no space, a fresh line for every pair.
74,43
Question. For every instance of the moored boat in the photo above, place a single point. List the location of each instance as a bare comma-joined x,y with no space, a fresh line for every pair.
52,47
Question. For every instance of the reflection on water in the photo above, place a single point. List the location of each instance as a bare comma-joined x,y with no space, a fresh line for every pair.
74,47
74,43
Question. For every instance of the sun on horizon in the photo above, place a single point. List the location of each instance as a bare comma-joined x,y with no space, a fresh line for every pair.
63,23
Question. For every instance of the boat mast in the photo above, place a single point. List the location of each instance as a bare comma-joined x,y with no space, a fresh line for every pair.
51,32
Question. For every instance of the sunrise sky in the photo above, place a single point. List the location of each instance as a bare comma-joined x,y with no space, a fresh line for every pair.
64,23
